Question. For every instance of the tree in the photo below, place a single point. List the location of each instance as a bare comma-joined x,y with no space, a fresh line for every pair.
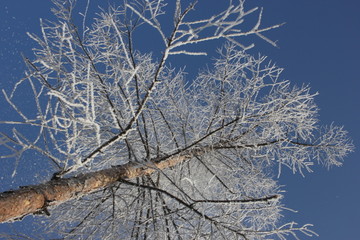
139,151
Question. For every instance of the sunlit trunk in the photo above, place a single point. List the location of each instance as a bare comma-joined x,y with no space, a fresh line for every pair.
31,199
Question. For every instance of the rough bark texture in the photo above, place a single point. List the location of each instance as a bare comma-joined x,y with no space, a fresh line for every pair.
31,199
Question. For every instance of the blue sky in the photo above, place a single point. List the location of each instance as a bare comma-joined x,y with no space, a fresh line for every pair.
319,45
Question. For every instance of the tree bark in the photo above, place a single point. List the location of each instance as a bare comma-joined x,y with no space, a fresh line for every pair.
36,198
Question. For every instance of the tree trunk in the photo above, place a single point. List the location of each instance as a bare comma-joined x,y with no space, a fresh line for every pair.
36,198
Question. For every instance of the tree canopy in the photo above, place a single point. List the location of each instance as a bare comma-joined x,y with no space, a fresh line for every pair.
146,153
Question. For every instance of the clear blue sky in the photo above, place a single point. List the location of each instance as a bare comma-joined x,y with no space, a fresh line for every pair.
319,45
